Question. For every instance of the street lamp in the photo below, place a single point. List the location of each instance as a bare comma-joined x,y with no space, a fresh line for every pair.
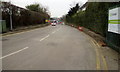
1,10
18,12
11,26
10,13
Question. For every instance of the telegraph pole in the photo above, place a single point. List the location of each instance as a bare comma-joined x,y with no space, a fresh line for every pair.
10,12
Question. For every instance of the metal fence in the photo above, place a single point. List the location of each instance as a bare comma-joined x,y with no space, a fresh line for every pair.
3,26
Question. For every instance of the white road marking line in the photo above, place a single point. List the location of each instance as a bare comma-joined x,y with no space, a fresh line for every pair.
47,36
53,32
57,30
44,37
14,53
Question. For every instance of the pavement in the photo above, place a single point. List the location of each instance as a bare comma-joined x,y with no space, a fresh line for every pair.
58,47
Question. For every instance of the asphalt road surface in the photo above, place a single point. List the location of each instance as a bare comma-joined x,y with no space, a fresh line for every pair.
58,47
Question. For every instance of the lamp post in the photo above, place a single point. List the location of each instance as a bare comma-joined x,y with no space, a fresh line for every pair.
11,26
10,13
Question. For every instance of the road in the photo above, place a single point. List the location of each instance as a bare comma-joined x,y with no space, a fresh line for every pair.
58,47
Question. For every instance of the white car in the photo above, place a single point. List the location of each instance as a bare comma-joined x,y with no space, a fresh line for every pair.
53,23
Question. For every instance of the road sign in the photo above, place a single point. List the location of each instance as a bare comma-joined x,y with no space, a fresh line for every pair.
114,20
46,20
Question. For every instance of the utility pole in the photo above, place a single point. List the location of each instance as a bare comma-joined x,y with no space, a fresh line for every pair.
10,12
0,10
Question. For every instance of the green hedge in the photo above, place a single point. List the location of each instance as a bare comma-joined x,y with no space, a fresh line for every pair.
95,17
24,18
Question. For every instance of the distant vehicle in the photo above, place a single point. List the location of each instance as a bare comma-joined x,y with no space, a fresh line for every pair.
62,23
53,23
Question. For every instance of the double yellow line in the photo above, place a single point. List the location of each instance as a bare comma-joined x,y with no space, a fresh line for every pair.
99,56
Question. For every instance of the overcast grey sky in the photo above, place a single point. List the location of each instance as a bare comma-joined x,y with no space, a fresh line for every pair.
57,8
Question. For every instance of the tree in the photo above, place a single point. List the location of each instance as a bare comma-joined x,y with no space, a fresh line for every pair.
73,10
37,8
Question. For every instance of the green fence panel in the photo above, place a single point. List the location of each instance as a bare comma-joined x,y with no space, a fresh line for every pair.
4,29
113,40
3,26
0,26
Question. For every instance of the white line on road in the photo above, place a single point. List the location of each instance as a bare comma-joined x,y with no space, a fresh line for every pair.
48,35
14,53
58,29
44,37
53,32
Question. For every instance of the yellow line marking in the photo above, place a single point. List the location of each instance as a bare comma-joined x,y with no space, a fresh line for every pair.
97,44
103,59
97,57
105,63
98,61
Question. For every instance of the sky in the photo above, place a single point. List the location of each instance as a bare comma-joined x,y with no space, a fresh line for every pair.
57,8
